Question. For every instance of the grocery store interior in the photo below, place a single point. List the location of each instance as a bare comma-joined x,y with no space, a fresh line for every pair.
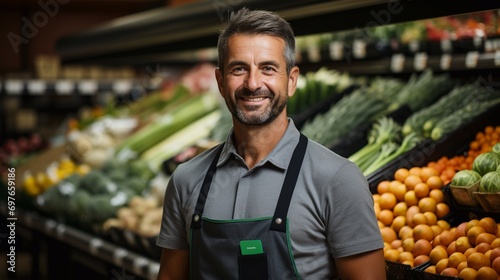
100,101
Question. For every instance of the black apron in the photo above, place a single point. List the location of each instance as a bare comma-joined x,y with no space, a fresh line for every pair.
257,248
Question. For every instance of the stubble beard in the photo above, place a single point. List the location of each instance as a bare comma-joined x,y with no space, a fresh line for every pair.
270,113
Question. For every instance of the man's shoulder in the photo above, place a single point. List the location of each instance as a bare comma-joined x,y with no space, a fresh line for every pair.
198,164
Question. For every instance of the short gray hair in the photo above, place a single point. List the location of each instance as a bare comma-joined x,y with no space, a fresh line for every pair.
257,22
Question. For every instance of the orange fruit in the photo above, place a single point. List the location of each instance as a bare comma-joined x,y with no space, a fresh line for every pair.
376,197
461,229
401,174
441,265
396,243
423,231
419,219
411,198
495,264
383,186
473,233
427,204
435,182
418,260
426,172
405,256
468,273
437,253
495,243
446,237
489,225
495,253
400,209
388,234
486,273
471,223
436,229
478,260
485,237
391,255
442,209
455,259
437,195
443,224
422,247
421,190
462,244
408,244
449,271
415,170
469,251
483,247
410,212
405,232
387,201
411,181
398,223
436,241
431,218
451,248
398,189
461,266
430,269
386,217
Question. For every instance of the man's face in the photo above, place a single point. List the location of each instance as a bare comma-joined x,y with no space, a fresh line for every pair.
255,84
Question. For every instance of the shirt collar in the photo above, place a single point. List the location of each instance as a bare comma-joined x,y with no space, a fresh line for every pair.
279,156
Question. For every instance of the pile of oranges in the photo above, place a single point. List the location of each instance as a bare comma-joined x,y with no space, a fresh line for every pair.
411,212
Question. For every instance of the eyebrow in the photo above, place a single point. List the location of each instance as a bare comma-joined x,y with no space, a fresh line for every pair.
238,62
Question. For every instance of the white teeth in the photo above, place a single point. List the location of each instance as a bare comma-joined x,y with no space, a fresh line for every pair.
254,99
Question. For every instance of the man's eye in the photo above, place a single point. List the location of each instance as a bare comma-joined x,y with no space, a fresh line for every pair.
268,69
238,70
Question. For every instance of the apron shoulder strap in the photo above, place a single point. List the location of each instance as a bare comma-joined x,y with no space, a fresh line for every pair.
205,187
292,173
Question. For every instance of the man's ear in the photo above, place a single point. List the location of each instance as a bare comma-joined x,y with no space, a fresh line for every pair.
219,77
292,80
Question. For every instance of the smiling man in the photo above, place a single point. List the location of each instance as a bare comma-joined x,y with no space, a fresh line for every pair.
268,203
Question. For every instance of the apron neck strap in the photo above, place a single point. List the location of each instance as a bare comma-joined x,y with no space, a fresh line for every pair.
292,173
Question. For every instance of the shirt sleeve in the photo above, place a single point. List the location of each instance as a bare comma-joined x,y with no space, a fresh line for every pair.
352,224
173,234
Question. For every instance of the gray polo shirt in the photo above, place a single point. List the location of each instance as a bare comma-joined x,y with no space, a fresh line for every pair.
331,213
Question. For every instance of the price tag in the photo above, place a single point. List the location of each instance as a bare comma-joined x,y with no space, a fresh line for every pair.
139,264
497,58
359,49
420,62
471,59
119,256
122,87
94,245
414,46
37,87
50,225
397,62
314,54
446,45
488,46
14,86
336,50
87,87
60,230
445,61
64,87
477,41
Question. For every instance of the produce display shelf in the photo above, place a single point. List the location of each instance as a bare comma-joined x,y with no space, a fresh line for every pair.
94,246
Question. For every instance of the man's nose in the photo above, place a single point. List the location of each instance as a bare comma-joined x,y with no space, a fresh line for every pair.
253,80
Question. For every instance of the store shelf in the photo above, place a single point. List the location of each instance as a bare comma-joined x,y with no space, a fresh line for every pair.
93,245
64,87
150,35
